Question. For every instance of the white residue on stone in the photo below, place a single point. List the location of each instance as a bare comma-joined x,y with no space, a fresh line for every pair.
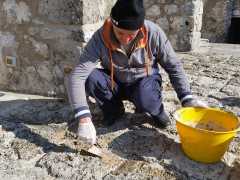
153,10
40,48
17,12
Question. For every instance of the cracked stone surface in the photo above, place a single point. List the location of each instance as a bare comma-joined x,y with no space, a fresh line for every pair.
36,143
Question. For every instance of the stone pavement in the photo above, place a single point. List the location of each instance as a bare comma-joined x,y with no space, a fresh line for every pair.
36,144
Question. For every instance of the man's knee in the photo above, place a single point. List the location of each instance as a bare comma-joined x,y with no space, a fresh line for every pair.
148,95
150,87
96,81
95,76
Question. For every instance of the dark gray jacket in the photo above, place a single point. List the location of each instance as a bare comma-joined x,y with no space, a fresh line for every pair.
151,48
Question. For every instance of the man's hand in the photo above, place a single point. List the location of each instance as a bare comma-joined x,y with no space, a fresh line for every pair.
86,130
194,103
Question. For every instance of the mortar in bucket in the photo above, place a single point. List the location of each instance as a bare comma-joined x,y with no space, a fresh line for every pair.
205,133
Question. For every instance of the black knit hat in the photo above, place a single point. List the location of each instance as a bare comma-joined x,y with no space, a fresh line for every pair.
128,14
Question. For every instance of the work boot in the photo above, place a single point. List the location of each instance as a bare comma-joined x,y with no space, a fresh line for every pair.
162,120
109,118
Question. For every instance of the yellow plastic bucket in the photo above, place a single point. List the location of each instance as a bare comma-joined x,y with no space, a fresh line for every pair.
205,133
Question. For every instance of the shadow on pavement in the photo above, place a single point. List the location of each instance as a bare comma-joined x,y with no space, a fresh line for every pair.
129,120
150,145
229,101
36,111
17,114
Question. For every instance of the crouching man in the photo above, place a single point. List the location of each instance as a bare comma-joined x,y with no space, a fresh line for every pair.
130,50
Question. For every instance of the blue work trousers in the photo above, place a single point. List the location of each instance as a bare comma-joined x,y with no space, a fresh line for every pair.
145,93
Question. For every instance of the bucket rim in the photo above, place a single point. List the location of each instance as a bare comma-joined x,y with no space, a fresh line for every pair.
237,129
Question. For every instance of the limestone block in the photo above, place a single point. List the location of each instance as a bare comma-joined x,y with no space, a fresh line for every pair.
195,40
189,22
30,69
65,50
52,32
61,11
147,3
183,42
216,20
40,48
153,11
176,23
181,2
171,9
76,33
173,39
57,71
7,39
163,23
75,11
16,12
32,81
188,8
95,11
162,1
37,21
198,23
45,72
198,6
87,30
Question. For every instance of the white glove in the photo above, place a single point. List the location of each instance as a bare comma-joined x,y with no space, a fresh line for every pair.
87,132
194,103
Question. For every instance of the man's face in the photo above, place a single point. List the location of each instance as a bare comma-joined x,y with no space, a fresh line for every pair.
124,36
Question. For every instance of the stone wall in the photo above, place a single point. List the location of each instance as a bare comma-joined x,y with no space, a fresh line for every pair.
42,38
45,36
180,19
216,19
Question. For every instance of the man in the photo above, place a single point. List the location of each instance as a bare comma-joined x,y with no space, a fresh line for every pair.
130,50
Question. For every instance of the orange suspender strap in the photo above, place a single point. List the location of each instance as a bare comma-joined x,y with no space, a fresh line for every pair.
111,68
147,56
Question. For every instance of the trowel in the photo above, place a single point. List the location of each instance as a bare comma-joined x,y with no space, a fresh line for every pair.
95,151
106,156
86,149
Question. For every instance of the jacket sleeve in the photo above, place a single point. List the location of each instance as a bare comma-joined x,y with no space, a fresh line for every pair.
173,66
76,81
